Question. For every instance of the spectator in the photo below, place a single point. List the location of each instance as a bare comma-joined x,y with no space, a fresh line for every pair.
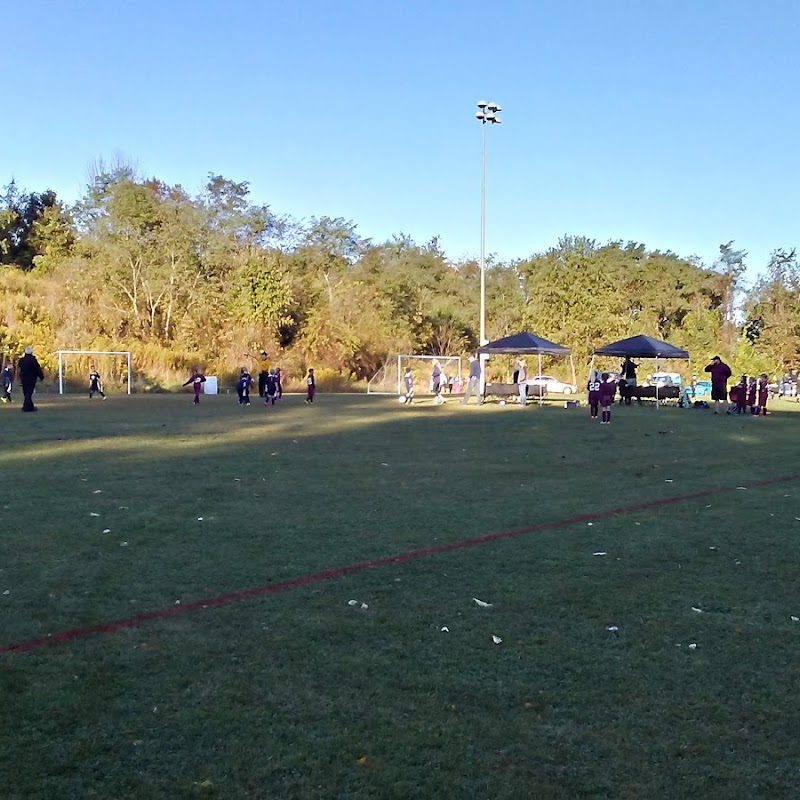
474,381
522,374
720,372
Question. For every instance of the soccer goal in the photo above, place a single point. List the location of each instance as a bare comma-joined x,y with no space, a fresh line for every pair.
389,378
114,369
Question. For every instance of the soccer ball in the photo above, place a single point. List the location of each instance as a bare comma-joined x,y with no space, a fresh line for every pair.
402,398
502,402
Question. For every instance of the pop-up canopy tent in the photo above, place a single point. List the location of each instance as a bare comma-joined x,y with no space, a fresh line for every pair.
526,343
641,347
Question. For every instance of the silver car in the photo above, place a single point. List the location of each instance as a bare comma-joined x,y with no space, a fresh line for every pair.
553,385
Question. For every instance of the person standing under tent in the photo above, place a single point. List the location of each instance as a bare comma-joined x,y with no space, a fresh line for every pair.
197,379
271,389
311,383
473,381
593,387
94,383
606,398
521,376
720,372
628,373
263,372
8,382
243,387
517,368
30,371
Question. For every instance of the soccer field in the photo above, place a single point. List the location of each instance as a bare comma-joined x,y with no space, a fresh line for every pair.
230,602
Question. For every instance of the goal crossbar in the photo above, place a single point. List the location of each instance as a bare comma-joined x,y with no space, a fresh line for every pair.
62,353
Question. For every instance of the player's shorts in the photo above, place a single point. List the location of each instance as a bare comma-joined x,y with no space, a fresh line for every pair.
719,393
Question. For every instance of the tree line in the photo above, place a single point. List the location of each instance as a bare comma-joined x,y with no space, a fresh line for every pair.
137,264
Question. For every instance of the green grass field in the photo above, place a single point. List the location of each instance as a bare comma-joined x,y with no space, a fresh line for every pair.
300,694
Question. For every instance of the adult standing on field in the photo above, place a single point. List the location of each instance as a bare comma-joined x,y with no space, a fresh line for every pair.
263,373
474,381
30,371
720,372
436,378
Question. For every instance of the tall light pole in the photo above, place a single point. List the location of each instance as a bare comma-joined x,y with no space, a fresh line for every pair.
487,112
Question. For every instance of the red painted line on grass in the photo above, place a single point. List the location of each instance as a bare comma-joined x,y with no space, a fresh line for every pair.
337,572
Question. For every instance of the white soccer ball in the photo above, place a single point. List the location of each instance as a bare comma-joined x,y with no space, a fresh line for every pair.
502,402
402,398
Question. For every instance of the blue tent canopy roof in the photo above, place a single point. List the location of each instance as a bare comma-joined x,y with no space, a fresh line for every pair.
524,343
641,347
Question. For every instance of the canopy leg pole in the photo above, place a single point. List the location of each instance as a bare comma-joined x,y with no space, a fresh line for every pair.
540,384
591,367
657,402
574,378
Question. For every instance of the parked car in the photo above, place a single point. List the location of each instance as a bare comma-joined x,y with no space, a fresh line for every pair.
702,390
552,384
667,379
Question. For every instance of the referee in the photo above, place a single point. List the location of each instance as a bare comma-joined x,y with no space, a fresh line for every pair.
263,372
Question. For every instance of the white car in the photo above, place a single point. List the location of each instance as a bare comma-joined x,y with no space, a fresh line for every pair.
552,384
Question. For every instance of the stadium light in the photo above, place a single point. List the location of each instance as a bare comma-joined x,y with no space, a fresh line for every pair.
487,112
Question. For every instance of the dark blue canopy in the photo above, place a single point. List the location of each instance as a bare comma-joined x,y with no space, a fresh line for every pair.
641,347
523,343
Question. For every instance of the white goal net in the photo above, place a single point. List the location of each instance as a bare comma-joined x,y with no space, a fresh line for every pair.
75,366
389,378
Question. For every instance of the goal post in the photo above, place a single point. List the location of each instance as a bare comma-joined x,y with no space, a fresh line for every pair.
119,353
389,378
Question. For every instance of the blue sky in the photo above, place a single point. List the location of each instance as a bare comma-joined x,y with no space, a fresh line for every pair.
668,122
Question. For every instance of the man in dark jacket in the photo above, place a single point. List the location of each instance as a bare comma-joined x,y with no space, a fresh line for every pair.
720,372
29,372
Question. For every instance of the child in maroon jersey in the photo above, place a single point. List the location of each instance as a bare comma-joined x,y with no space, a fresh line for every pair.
763,393
593,387
197,379
606,397
741,396
752,390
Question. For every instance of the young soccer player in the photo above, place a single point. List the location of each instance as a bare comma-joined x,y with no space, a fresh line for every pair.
243,387
763,394
741,396
94,383
606,398
8,382
593,387
408,383
271,388
197,379
279,378
312,386
752,396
